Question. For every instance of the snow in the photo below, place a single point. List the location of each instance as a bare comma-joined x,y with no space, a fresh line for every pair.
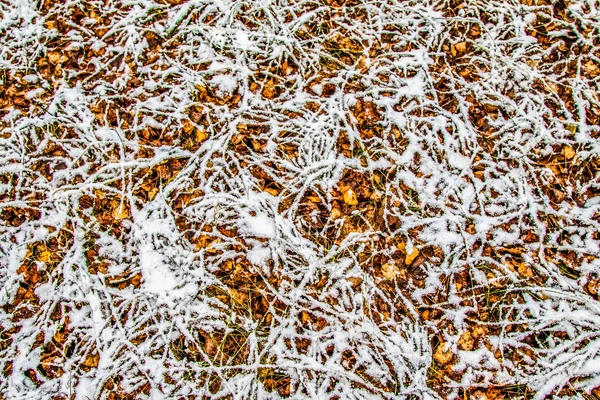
260,225
227,247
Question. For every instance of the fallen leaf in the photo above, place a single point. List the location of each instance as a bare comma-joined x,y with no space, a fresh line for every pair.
590,65
335,213
525,270
53,57
120,212
269,91
466,341
459,48
272,191
494,394
355,282
389,271
305,318
410,257
92,360
592,286
443,355
45,256
152,193
350,197
201,135
568,152
401,247
187,125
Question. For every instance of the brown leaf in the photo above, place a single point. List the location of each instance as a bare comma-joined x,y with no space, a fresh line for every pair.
592,286
355,282
305,318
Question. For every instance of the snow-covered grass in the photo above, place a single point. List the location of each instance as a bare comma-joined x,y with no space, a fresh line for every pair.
272,199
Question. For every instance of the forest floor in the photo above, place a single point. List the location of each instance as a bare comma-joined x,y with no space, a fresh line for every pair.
299,199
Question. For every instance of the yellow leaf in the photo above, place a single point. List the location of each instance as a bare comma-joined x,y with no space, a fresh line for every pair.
45,256
568,152
461,47
525,270
53,57
335,213
389,271
466,341
121,212
201,135
591,66
187,125
152,193
350,198
92,360
410,257
402,247
272,191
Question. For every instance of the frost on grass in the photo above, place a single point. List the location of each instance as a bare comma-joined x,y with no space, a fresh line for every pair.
373,199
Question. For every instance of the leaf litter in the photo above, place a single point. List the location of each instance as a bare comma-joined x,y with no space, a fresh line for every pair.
335,199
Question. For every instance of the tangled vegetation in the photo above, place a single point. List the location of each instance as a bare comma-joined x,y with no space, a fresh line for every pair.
325,199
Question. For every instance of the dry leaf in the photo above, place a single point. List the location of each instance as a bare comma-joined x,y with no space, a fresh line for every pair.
389,271
335,213
466,341
269,91
91,360
45,256
590,65
401,247
568,152
201,135
461,47
410,257
187,125
350,197
152,193
592,286
120,212
525,270
443,355
272,191
494,394
53,57
355,282
305,318
60,337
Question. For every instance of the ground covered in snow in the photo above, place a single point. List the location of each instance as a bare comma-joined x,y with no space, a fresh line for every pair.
299,199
